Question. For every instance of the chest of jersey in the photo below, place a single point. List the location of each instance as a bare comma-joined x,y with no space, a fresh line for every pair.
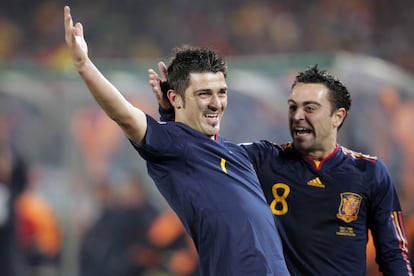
333,197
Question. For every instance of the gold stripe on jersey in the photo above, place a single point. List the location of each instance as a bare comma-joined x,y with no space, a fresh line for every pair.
397,221
223,165
399,229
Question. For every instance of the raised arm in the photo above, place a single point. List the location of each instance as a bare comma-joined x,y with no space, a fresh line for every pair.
131,119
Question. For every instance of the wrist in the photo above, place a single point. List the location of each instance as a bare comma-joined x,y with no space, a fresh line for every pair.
80,63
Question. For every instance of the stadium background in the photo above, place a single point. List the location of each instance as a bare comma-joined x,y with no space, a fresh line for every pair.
72,146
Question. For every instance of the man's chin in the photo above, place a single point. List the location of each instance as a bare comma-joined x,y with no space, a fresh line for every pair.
301,144
211,132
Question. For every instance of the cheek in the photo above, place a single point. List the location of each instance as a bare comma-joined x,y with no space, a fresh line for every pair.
319,123
327,124
194,105
224,104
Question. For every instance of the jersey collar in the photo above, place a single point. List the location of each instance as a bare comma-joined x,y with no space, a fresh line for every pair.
318,164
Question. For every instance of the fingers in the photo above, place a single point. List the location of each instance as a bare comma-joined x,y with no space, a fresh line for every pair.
79,29
153,78
155,83
74,39
68,23
152,74
72,32
163,71
67,18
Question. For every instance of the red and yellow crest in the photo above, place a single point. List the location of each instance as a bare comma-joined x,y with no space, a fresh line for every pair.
349,207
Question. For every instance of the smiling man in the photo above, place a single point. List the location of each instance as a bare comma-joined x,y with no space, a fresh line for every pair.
208,181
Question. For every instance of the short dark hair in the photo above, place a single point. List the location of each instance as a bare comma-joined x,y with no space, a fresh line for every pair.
190,59
339,96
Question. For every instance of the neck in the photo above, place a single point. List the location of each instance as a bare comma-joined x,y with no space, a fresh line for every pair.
319,155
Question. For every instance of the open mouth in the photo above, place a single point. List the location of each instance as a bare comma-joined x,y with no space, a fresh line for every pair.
301,131
212,118
211,115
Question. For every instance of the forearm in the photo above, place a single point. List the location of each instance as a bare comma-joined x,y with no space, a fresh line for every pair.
105,94
131,119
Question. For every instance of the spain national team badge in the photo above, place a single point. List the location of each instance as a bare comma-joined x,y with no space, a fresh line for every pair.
349,207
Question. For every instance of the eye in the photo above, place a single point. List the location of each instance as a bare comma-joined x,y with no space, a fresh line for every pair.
203,93
311,108
292,108
222,93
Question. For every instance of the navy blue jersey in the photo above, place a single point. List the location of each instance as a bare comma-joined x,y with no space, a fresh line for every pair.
324,210
212,187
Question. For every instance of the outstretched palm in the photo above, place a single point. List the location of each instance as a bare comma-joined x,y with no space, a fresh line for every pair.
75,39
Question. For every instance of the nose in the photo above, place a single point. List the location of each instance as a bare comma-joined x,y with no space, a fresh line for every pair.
298,114
214,102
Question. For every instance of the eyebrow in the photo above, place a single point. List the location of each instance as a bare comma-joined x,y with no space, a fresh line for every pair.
208,89
305,102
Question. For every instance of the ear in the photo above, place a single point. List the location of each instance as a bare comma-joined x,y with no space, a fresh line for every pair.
175,99
339,117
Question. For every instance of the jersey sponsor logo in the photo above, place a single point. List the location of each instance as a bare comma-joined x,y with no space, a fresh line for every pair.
316,182
349,208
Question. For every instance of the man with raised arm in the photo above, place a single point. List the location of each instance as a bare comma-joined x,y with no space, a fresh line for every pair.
208,181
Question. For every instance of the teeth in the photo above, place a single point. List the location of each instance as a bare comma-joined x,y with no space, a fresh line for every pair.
211,115
302,130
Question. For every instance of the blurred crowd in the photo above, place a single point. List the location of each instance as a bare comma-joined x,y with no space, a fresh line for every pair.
136,28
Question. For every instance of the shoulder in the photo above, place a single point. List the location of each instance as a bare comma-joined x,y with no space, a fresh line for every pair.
162,137
167,129
258,145
267,150
359,156
366,162
152,122
287,147
261,143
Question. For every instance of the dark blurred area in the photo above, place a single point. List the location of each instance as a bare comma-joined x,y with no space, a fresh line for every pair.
136,28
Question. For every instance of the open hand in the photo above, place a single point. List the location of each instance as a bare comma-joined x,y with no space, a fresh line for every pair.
75,39
155,81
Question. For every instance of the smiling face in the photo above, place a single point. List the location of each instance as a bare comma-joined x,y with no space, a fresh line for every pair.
313,124
205,102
